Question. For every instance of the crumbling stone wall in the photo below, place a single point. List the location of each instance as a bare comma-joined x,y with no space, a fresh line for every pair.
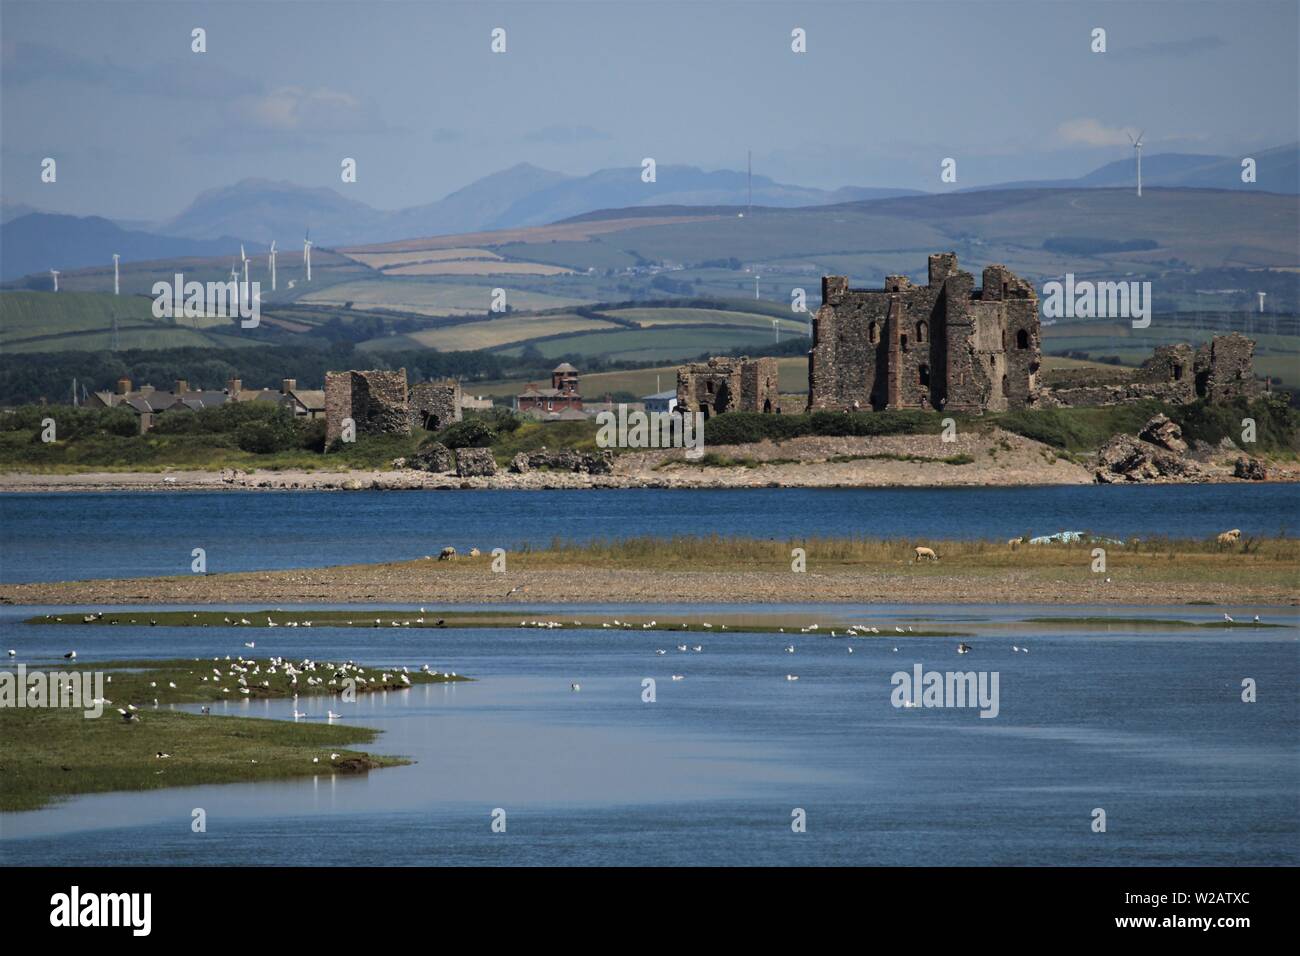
1218,371
944,345
1225,369
728,384
435,405
375,400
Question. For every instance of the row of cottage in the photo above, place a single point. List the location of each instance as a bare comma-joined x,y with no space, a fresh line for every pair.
946,345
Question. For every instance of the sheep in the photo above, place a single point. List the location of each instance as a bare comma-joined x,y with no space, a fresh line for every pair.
447,554
927,553
474,552
1230,537
1014,543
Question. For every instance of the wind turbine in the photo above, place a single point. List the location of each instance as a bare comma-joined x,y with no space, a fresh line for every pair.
272,264
306,254
245,259
776,327
55,273
234,272
117,288
1137,147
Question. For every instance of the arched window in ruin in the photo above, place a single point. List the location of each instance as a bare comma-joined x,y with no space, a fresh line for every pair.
1178,372
1022,339
767,406
902,342
1006,387
922,333
923,374
873,333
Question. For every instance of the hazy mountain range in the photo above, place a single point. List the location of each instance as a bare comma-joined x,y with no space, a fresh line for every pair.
255,210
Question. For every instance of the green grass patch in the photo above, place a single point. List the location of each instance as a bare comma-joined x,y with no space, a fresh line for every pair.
50,753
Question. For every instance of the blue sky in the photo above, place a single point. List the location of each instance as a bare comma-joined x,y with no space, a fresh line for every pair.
140,125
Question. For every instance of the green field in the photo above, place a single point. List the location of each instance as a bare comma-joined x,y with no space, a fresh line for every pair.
51,322
666,343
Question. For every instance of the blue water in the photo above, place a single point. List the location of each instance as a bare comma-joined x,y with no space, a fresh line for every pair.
1147,725
139,534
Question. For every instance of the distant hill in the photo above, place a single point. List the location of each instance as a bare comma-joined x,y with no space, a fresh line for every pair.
12,210
673,186
1277,171
523,195
262,210
40,241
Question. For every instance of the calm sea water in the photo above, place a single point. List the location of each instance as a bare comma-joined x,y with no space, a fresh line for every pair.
121,534
1146,725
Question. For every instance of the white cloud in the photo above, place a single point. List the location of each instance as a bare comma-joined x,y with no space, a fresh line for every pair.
1092,133
319,110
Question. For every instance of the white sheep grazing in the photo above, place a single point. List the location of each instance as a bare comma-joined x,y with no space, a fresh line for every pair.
927,553
1230,537
1016,542
474,552
447,554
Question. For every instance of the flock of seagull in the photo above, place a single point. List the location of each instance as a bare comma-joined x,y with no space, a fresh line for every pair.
853,630
246,676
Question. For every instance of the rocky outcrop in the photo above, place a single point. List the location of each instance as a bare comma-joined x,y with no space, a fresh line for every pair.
475,463
434,457
579,462
1163,431
1252,469
1125,458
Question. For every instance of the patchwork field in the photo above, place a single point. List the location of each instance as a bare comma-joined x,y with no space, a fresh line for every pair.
385,260
430,298
649,318
490,334
477,267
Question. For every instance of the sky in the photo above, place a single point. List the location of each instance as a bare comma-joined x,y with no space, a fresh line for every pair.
139,124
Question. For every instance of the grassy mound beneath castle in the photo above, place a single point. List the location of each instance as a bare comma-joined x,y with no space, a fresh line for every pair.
254,435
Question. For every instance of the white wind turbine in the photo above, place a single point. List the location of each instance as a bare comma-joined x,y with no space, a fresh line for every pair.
306,255
55,273
1137,148
271,262
117,288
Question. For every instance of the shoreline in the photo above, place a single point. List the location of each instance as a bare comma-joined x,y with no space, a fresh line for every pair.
995,459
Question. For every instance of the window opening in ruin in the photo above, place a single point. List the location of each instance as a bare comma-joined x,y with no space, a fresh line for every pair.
1006,386
1022,339
873,333
902,342
1178,373
923,374
922,332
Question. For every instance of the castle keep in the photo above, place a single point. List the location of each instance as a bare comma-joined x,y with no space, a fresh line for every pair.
944,345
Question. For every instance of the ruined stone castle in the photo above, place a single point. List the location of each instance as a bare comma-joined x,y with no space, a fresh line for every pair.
944,345
380,402
728,385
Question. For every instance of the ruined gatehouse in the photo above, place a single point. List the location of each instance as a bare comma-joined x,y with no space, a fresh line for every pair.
728,385
380,402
